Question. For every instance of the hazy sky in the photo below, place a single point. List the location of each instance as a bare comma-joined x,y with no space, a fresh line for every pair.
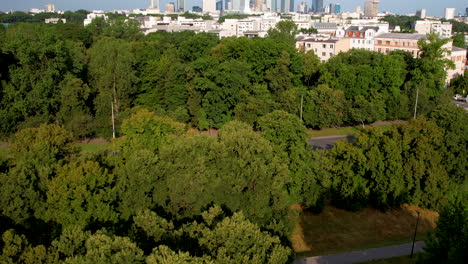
434,7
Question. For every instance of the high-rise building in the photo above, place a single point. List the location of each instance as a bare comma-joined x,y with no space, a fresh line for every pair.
170,7
466,11
317,6
180,5
154,4
258,5
449,13
371,8
272,5
421,13
358,10
302,7
285,6
50,8
209,6
337,8
219,5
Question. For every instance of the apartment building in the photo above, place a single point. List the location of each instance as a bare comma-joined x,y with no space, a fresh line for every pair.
443,29
386,42
458,56
324,47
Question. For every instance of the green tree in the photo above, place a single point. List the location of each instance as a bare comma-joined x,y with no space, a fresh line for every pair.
81,194
324,107
289,140
448,243
459,41
236,240
103,248
112,76
284,31
454,122
37,153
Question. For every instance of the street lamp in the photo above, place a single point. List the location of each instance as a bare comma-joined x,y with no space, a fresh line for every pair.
415,231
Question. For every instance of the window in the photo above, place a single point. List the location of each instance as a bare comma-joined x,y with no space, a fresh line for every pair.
380,49
324,54
331,54
308,45
324,46
331,46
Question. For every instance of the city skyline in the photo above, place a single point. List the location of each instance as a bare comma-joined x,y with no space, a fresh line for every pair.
403,7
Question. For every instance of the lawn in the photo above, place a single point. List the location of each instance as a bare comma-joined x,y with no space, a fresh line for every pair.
335,230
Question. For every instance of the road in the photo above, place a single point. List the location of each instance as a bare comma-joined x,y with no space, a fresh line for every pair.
363,255
327,142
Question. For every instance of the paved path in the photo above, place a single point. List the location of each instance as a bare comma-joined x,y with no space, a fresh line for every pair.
364,255
327,142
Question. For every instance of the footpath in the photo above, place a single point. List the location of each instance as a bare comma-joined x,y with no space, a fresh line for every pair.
364,255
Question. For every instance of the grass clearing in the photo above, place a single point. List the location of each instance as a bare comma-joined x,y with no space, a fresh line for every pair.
335,230
93,146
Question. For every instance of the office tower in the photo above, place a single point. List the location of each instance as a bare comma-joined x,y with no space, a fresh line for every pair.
358,10
258,5
285,4
180,5
421,13
317,6
337,8
371,8
170,8
154,4
449,13
291,5
236,4
209,6
50,8
466,11
219,5
302,7
272,5
331,8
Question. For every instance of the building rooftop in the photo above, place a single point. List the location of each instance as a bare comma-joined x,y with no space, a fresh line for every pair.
401,36
362,29
457,49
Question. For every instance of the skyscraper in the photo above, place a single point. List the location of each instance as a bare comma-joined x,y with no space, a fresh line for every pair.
421,13
180,5
209,6
285,5
154,4
317,6
449,13
371,8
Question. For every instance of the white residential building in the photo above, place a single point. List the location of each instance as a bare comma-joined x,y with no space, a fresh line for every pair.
93,15
444,29
323,46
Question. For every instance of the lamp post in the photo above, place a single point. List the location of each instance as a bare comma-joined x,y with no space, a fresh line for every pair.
415,231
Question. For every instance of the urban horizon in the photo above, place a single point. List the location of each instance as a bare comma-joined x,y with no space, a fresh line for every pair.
399,7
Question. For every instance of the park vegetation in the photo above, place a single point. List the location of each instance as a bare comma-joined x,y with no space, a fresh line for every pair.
162,194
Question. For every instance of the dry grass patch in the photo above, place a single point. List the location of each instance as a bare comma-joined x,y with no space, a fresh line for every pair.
335,230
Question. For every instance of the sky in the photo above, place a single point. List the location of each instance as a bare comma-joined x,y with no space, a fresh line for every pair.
433,7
